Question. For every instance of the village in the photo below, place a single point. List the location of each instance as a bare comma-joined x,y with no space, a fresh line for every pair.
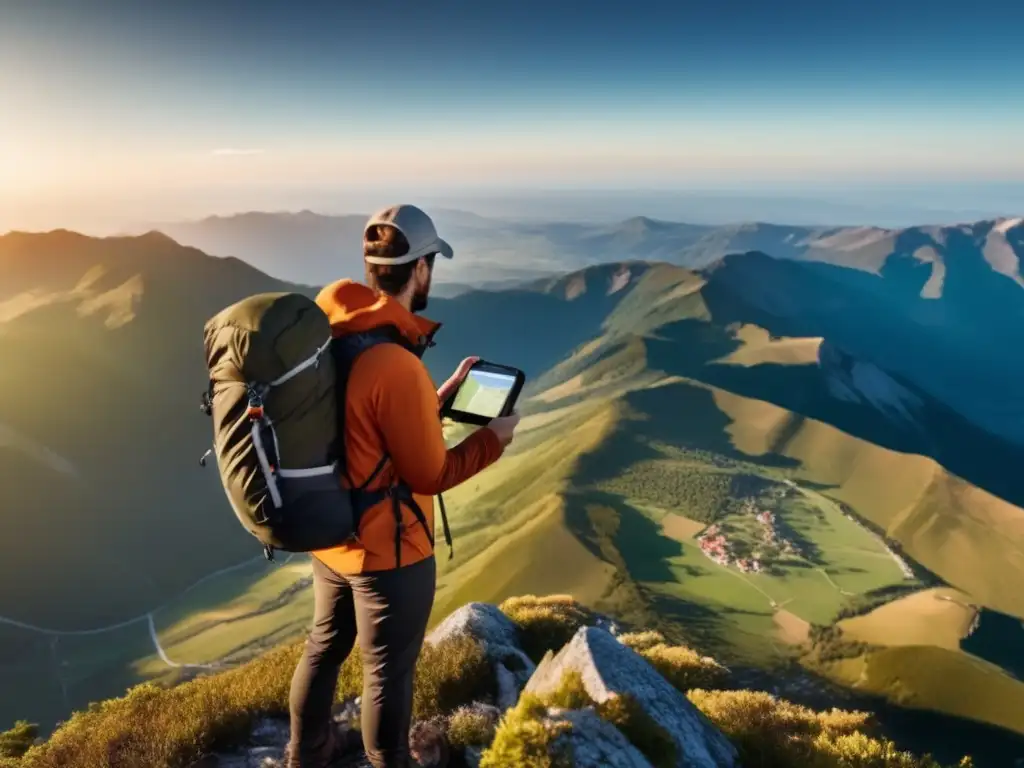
716,544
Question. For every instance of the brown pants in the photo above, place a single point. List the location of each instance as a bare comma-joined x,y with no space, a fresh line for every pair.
388,612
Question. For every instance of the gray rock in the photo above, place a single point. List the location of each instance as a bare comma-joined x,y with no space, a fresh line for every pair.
500,639
258,757
473,755
348,712
508,686
608,667
483,621
270,732
595,743
265,757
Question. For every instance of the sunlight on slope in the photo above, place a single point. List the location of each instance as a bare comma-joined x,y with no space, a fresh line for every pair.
941,617
119,303
24,303
966,535
759,348
790,628
235,616
539,556
501,499
936,678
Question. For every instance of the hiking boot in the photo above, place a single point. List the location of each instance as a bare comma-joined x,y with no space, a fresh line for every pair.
346,749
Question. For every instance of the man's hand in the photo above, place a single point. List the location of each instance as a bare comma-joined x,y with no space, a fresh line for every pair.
447,389
504,427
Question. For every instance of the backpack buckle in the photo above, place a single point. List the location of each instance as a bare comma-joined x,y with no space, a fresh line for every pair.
255,411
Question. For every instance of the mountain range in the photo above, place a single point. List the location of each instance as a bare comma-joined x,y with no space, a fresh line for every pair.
858,384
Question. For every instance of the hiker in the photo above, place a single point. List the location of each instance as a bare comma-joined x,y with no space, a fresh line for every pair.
379,590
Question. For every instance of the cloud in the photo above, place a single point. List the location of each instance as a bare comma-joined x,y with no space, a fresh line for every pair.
235,152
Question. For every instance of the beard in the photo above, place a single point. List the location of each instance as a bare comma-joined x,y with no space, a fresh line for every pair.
419,299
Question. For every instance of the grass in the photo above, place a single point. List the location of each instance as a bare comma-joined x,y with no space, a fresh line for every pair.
545,623
172,727
54,675
16,741
970,538
213,624
232,616
940,617
468,727
749,618
774,733
928,677
683,667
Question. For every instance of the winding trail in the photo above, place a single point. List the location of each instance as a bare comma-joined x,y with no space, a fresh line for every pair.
163,654
828,578
145,617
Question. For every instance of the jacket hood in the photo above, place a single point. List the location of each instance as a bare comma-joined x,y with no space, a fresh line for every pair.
353,307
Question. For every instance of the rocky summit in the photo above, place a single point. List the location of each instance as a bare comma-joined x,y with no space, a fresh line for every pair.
535,682
580,737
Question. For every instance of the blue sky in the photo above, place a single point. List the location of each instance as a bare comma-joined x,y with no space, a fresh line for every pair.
124,101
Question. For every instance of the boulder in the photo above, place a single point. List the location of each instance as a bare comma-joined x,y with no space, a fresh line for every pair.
270,732
485,623
594,742
608,668
500,639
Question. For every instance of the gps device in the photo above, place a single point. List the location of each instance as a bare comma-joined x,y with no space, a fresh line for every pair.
488,391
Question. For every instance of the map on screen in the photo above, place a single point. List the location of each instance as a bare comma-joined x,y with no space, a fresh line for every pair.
483,393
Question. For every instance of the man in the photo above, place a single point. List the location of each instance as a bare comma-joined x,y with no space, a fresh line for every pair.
379,589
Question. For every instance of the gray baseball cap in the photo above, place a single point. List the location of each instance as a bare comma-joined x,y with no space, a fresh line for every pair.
418,229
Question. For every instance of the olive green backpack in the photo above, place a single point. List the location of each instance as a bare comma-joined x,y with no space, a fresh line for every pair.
273,395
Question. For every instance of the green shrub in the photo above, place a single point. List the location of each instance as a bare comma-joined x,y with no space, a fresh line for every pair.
545,623
470,728
640,641
681,666
16,741
525,737
159,727
450,674
686,669
171,728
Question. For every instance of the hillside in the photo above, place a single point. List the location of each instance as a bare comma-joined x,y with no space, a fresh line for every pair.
672,421
535,682
101,422
101,474
680,426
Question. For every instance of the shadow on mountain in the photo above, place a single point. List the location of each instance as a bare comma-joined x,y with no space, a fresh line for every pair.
688,348
620,535
530,328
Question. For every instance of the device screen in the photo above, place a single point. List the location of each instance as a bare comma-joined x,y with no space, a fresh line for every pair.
483,393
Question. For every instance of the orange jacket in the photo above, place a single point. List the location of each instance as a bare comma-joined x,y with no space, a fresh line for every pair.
392,407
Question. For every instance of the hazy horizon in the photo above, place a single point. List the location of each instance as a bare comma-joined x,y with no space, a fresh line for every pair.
893,207
806,113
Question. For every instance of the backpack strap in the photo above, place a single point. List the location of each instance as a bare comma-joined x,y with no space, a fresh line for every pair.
346,349
444,526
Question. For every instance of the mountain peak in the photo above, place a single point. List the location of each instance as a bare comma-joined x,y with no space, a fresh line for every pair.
640,224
